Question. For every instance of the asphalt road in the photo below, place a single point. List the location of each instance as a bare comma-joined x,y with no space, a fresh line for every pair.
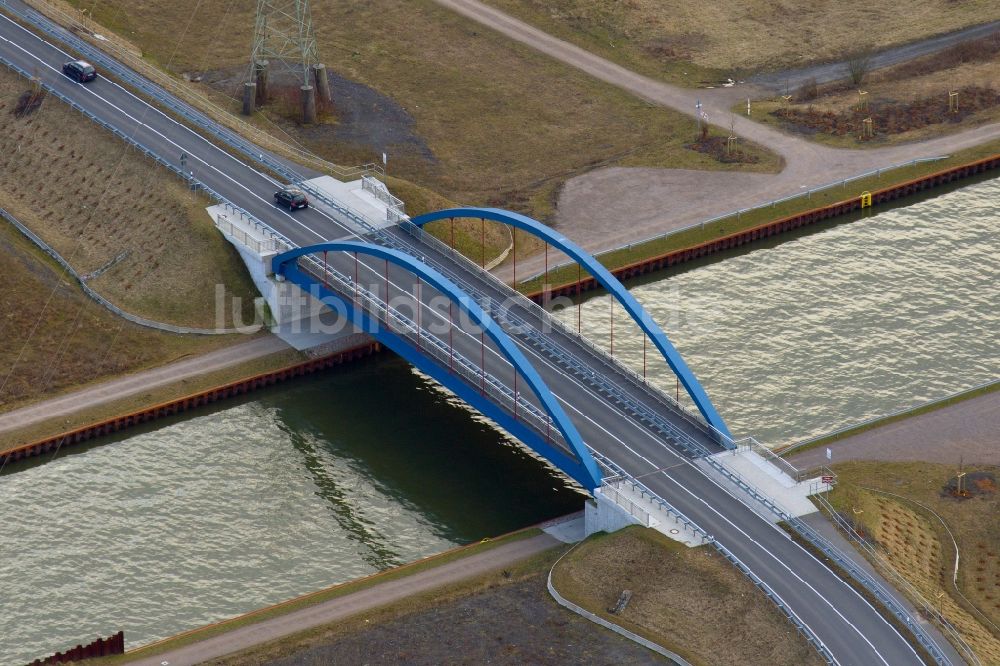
851,629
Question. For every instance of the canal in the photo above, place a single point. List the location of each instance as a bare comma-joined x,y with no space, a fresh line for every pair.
303,486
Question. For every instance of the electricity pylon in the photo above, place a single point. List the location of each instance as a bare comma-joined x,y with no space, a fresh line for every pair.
283,36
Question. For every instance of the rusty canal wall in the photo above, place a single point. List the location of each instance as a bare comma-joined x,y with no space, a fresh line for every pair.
171,407
776,227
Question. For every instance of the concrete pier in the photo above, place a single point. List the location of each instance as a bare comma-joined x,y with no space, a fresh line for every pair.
322,82
249,98
260,78
308,104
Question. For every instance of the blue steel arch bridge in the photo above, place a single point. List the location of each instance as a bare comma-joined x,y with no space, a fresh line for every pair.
475,354
566,399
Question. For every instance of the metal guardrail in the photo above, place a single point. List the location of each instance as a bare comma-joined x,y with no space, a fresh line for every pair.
185,110
800,626
150,72
899,580
214,129
738,213
841,559
395,321
101,300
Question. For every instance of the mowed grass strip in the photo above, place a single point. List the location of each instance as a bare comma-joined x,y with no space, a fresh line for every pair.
688,42
696,235
689,600
901,506
502,123
94,199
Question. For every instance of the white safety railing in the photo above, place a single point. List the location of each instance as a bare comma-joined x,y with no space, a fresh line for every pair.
395,209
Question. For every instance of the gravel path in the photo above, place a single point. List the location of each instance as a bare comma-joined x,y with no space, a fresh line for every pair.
352,604
632,204
139,382
967,430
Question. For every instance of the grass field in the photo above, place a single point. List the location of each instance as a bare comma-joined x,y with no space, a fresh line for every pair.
55,337
493,122
889,90
688,42
904,509
94,200
690,600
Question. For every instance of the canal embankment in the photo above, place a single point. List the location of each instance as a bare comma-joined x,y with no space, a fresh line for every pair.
646,257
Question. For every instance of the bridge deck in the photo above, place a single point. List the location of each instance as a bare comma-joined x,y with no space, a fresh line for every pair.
850,628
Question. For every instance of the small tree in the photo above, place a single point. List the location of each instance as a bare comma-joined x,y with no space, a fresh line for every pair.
858,66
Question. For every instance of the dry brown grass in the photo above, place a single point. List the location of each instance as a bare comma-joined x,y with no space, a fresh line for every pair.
913,540
505,124
54,337
690,600
91,197
664,37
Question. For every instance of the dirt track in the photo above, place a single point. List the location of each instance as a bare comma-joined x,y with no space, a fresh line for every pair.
626,205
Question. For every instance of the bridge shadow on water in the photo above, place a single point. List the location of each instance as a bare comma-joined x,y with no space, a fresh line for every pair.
403,436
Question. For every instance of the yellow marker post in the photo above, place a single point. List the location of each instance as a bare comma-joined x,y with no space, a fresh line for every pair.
866,199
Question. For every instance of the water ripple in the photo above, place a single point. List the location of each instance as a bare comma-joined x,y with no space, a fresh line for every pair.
852,322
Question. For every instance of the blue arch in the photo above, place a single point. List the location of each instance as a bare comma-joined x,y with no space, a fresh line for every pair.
614,287
583,468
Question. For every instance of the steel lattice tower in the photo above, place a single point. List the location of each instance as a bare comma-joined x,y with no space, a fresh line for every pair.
283,36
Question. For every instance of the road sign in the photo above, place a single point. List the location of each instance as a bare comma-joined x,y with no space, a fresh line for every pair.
827,480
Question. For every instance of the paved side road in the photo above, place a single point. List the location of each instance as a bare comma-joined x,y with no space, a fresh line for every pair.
608,208
352,604
968,430
139,382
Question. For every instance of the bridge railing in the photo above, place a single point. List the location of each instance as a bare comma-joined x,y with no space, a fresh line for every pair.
614,470
541,339
518,406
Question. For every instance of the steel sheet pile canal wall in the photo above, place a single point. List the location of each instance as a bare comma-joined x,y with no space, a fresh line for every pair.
782,225
102,647
187,402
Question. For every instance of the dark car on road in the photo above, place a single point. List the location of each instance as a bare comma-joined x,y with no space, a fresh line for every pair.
81,70
291,198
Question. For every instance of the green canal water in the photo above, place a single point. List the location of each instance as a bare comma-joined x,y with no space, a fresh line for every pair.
306,485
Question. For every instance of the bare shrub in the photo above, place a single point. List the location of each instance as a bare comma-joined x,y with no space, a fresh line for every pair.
807,91
858,66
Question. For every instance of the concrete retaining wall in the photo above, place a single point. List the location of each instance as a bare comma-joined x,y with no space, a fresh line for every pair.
780,226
